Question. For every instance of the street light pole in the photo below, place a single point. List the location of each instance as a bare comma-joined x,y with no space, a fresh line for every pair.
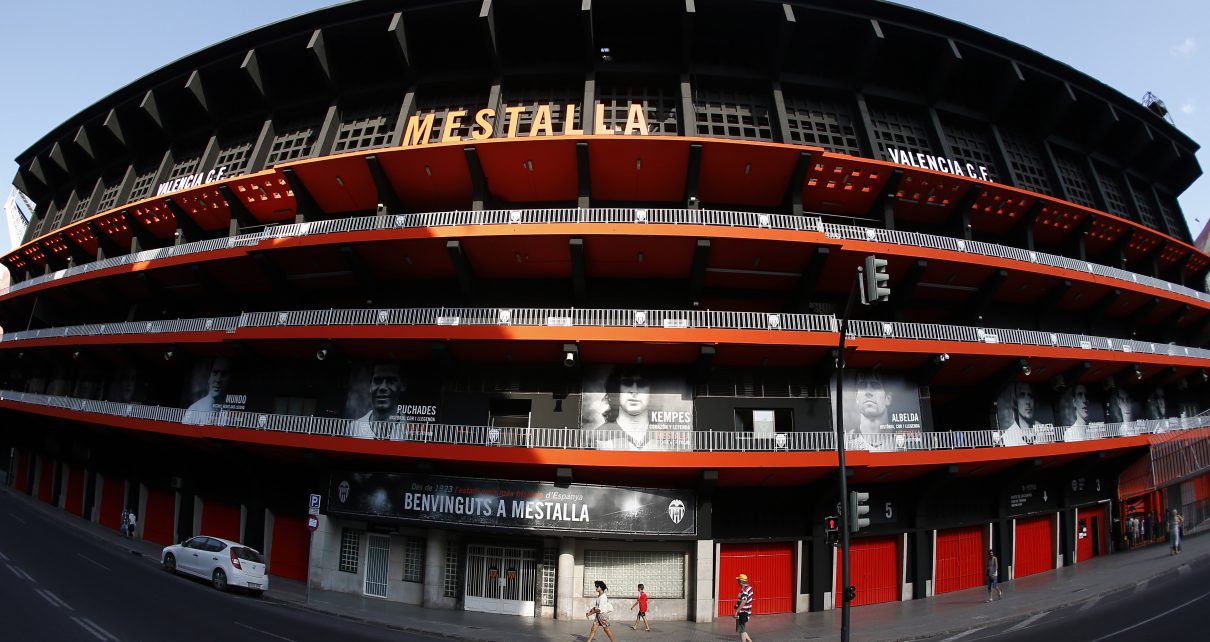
845,525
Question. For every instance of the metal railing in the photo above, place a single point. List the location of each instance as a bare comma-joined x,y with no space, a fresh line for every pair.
641,216
614,318
606,439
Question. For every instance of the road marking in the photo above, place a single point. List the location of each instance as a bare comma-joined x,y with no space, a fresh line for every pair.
1091,603
1183,568
16,518
54,599
1151,619
96,631
3,557
93,561
1021,625
273,635
963,634
1141,586
20,573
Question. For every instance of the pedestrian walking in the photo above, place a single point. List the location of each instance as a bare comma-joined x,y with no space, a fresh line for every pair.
124,522
743,607
131,521
1175,525
641,604
599,613
993,576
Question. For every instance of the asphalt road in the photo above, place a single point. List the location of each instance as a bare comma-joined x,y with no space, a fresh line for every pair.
1170,607
56,583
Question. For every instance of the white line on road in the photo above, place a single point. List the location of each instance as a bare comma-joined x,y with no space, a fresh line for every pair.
252,628
1141,586
1021,625
16,518
1183,568
963,634
1151,619
1091,603
20,573
91,627
55,600
93,561
3,557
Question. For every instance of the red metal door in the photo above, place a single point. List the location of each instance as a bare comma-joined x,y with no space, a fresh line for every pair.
113,493
1090,539
220,519
22,472
960,555
46,478
161,514
74,503
290,552
1035,546
770,571
874,571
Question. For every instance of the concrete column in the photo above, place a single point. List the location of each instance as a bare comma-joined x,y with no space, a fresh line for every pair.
703,581
565,581
437,541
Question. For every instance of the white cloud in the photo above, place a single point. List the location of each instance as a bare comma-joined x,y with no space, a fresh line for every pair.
1186,48
1188,108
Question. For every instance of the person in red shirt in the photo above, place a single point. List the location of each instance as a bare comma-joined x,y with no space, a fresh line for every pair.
642,616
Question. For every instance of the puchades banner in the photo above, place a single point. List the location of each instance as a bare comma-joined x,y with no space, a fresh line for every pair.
214,387
521,505
389,391
633,407
881,410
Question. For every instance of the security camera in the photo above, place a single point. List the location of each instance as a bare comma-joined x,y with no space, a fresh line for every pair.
569,359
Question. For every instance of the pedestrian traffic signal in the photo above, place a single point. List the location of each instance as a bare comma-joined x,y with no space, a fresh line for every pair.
850,593
857,511
831,528
877,281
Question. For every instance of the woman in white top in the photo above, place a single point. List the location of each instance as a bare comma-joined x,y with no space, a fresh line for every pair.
601,608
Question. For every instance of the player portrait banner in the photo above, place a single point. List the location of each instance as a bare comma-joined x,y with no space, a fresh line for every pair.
632,407
519,505
214,387
391,391
881,410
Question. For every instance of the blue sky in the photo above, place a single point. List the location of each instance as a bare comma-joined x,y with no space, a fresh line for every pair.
59,56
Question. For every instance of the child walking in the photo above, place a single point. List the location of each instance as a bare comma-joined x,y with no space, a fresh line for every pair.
642,616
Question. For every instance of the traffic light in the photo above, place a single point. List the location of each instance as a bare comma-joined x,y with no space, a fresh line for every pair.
831,528
877,281
850,593
857,510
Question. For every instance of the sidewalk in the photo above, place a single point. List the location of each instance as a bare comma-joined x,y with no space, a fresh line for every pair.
948,614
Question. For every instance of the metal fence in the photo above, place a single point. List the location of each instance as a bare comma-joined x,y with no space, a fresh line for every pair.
594,317
641,216
601,439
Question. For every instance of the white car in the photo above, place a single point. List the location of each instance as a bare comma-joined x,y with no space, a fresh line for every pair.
224,563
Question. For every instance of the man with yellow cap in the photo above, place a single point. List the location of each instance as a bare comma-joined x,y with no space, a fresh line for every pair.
743,607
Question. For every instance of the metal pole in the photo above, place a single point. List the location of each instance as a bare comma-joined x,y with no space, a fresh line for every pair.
310,540
844,488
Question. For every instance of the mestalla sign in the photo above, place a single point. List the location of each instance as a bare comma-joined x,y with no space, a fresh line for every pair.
520,505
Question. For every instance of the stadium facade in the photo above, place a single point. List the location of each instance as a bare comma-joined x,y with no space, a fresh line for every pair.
531,294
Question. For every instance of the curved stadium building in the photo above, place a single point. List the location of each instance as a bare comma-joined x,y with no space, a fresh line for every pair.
530,294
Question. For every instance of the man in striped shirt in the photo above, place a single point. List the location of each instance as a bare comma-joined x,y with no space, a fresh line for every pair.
743,608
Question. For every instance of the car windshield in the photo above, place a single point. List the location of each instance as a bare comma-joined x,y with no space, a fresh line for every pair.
248,554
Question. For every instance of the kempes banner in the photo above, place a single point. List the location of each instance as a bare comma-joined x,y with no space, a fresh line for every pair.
634,407
522,505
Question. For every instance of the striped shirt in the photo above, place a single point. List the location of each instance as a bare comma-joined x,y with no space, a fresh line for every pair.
744,601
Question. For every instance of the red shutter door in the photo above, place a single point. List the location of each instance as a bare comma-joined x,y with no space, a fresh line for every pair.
960,559
1035,546
770,571
22,472
75,491
874,571
161,513
46,478
113,491
220,519
290,553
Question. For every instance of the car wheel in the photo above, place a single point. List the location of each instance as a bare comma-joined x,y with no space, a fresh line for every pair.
170,563
219,579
